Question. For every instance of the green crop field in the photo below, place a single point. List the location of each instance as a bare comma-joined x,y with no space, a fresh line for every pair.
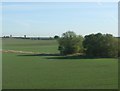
37,71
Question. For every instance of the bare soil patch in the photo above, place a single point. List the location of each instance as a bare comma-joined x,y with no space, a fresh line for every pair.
15,51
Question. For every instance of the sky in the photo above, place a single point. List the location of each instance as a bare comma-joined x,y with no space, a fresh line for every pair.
55,18
59,0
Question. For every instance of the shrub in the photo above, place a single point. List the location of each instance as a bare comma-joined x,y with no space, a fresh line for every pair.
70,43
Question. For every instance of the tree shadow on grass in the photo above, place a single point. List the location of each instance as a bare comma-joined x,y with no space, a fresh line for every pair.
58,56
71,57
42,54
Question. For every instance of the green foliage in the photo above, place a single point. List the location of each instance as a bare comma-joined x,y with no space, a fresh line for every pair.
56,37
101,45
70,43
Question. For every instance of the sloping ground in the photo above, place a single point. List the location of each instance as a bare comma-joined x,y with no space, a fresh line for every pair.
35,65
21,71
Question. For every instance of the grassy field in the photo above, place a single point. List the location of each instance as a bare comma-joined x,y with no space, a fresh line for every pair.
28,71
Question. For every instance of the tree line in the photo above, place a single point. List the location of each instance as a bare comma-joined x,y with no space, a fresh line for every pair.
92,45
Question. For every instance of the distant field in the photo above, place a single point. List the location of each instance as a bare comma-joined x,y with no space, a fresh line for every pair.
30,45
27,71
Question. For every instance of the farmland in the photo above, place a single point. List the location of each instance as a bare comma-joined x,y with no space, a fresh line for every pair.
36,71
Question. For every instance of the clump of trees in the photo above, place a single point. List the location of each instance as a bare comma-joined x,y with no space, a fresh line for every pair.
94,45
101,45
70,43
